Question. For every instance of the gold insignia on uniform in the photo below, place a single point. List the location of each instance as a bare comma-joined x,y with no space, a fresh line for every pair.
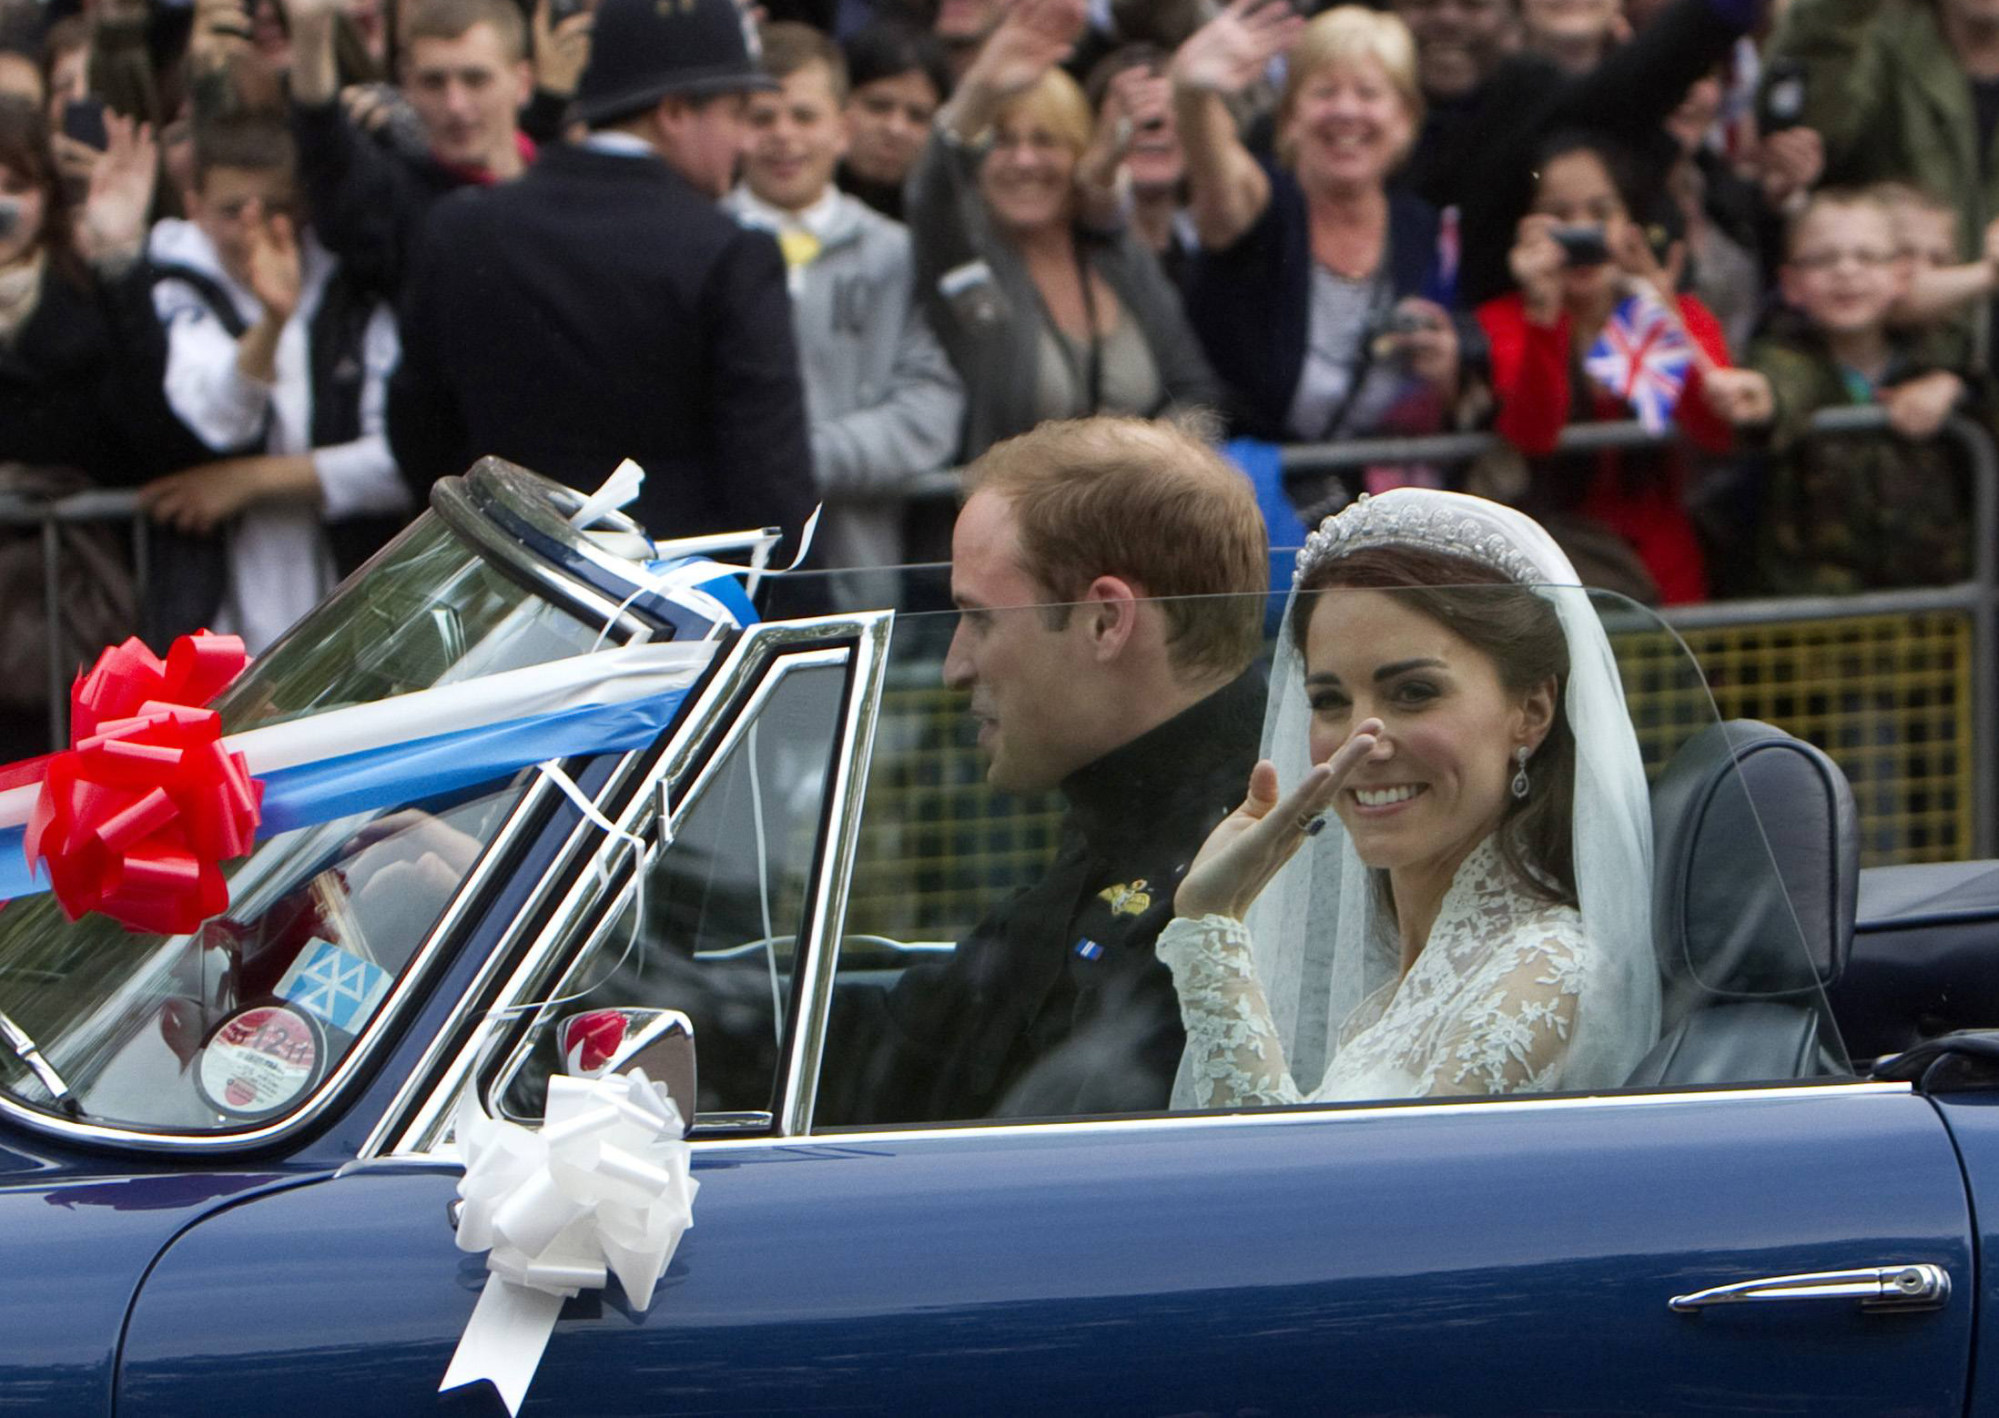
1131,900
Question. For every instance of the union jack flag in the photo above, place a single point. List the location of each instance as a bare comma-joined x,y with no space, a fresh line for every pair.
1642,357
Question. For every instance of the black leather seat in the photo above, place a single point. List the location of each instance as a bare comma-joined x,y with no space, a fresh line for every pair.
1747,947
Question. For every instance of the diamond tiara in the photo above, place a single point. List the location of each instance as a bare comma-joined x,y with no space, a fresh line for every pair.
1392,521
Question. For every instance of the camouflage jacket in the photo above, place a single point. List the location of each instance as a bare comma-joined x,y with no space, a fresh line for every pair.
1859,512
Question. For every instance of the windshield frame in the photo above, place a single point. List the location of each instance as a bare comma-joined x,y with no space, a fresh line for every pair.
538,944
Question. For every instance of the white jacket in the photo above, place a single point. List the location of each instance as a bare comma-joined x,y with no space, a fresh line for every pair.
280,566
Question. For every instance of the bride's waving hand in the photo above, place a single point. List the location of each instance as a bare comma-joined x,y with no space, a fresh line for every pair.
1250,844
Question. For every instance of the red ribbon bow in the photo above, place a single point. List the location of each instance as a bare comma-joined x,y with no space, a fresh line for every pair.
135,818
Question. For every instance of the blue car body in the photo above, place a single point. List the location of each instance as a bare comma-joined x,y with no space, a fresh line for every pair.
1472,1256
1387,1260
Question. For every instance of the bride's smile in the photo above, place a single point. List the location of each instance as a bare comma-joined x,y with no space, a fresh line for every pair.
1379,800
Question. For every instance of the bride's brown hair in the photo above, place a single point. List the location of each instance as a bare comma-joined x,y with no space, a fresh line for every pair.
1520,631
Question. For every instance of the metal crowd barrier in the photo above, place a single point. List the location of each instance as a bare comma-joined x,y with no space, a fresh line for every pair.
96,505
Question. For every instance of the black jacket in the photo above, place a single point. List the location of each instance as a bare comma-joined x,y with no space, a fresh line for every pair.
1252,303
1055,1005
367,202
1477,153
82,384
598,309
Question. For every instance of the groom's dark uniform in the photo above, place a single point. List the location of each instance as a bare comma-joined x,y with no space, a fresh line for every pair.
1055,1004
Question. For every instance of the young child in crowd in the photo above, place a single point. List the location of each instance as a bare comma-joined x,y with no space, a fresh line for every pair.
882,397
278,365
1858,512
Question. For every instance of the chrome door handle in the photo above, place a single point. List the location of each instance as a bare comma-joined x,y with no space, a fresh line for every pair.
1876,1287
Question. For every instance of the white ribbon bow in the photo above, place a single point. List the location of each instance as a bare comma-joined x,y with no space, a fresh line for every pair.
603,1184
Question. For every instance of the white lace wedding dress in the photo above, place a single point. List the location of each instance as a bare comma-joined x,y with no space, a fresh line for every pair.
1489,1006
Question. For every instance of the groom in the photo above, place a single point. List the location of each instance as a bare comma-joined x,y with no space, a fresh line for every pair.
1143,712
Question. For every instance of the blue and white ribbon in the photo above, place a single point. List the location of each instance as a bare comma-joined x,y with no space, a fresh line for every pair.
434,741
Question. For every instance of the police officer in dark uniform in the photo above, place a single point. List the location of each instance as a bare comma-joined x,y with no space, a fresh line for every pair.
602,307
1146,717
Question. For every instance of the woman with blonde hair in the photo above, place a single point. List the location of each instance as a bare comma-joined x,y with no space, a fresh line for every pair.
1318,292
1043,316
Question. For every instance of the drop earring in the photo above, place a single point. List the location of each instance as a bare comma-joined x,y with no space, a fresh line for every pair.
1520,784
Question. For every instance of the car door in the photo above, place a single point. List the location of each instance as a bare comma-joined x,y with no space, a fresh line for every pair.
1473,1258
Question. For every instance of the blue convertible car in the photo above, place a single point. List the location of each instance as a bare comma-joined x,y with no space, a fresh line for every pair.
227,1165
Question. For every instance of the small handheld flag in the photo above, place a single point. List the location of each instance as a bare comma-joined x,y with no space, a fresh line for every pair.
1642,356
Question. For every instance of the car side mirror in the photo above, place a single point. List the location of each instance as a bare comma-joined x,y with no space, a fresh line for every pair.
660,1041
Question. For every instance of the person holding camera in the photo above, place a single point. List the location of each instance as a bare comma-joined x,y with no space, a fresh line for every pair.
1599,330
1319,289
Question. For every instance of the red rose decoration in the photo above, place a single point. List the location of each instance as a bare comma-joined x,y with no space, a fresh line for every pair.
589,1040
135,818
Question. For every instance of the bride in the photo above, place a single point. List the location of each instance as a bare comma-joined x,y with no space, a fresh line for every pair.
1468,914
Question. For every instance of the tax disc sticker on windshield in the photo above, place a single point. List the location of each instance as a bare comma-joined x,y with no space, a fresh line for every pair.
260,1059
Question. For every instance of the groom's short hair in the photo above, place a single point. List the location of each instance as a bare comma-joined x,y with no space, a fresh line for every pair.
1151,502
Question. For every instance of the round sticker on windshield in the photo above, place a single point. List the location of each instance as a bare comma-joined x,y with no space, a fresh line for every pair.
260,1060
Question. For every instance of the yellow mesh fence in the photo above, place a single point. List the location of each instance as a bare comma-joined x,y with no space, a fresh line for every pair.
1889,697
938,847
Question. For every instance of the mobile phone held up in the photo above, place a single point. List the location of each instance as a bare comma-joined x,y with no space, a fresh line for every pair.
1582,245
1780,104
83,120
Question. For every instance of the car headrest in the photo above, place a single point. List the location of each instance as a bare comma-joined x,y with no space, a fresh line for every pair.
1729,912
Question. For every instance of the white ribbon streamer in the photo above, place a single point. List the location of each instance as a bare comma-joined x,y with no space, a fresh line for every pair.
602,1189
619,489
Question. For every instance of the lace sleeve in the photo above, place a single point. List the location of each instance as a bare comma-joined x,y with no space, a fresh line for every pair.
1233,1051
1513,1034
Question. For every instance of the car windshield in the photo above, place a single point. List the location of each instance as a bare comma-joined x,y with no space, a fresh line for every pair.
198,1033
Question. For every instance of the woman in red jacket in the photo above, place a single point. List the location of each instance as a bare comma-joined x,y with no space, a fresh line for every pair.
1542,334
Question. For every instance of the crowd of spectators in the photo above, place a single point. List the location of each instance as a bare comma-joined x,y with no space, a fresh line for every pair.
235,273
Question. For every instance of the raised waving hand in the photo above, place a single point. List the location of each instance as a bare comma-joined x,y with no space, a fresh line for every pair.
1248,846
1232,51
1032,38
1228,187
